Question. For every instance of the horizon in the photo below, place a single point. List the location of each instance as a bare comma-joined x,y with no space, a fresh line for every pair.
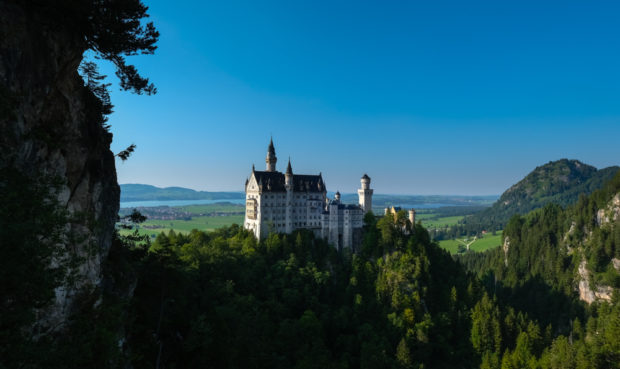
354,192
330,191
425,98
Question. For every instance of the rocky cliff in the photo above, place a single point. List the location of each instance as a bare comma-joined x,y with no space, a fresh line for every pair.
51,125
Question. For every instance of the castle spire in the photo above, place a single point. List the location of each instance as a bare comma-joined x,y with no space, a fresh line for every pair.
271,158
288,176
289,169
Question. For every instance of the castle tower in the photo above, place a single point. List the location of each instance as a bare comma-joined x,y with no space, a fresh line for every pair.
288,184
271,158
337,196
288,176
365,194
412,217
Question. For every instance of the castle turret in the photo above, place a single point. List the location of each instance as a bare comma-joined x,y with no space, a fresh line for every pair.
271,158
365,194
337,196
288,176
288,184
412,217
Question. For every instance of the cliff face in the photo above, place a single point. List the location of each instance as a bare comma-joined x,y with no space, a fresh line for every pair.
607,218
49,125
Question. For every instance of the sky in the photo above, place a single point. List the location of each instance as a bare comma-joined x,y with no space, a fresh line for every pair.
427,97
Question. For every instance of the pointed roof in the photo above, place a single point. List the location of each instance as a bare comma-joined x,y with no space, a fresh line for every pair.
271,150
365,176
289,170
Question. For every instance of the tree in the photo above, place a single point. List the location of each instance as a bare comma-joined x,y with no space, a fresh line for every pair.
112,29
28,245
485,331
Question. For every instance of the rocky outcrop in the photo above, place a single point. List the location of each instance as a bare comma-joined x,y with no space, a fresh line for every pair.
506,247
50,126
585,293
610,213
588,294
566,240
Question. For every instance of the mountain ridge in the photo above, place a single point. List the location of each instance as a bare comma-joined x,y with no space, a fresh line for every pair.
144,192
561,182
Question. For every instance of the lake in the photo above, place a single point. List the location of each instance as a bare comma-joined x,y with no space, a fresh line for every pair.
424,205
153,203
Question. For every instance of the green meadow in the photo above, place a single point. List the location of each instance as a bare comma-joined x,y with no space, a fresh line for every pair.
223,207
433,222
203,223
203,217
488,241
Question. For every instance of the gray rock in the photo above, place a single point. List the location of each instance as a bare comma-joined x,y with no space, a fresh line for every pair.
53,131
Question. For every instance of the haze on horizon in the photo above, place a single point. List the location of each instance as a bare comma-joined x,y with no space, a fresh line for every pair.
427,98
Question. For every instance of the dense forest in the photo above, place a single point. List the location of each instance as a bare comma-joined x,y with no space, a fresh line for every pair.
538,272
222,299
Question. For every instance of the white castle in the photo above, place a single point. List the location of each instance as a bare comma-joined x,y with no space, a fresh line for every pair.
282,202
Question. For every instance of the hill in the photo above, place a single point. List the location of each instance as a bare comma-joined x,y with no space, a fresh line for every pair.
561,268
143,192
560,182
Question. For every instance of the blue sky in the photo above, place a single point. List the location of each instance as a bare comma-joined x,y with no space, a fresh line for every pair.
427,97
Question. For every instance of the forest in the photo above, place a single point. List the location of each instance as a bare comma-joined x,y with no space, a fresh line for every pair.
222,299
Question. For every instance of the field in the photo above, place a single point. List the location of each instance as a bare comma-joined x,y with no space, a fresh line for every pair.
222,207
489,241
434,222
185,218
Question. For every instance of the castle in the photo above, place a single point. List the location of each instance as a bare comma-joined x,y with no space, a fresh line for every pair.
393,210
282,202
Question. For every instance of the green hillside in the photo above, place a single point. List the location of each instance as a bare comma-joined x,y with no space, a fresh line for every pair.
560,182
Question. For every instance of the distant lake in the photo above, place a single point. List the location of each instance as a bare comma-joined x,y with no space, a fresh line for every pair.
424,205
152,203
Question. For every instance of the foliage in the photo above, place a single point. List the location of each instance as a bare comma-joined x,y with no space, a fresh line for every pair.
110,28
125,154
225,300
537,276
28,246
34,261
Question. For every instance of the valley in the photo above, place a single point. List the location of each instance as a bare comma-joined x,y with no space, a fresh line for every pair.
209,217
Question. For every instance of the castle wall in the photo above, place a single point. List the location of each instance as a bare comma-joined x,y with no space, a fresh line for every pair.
282,212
